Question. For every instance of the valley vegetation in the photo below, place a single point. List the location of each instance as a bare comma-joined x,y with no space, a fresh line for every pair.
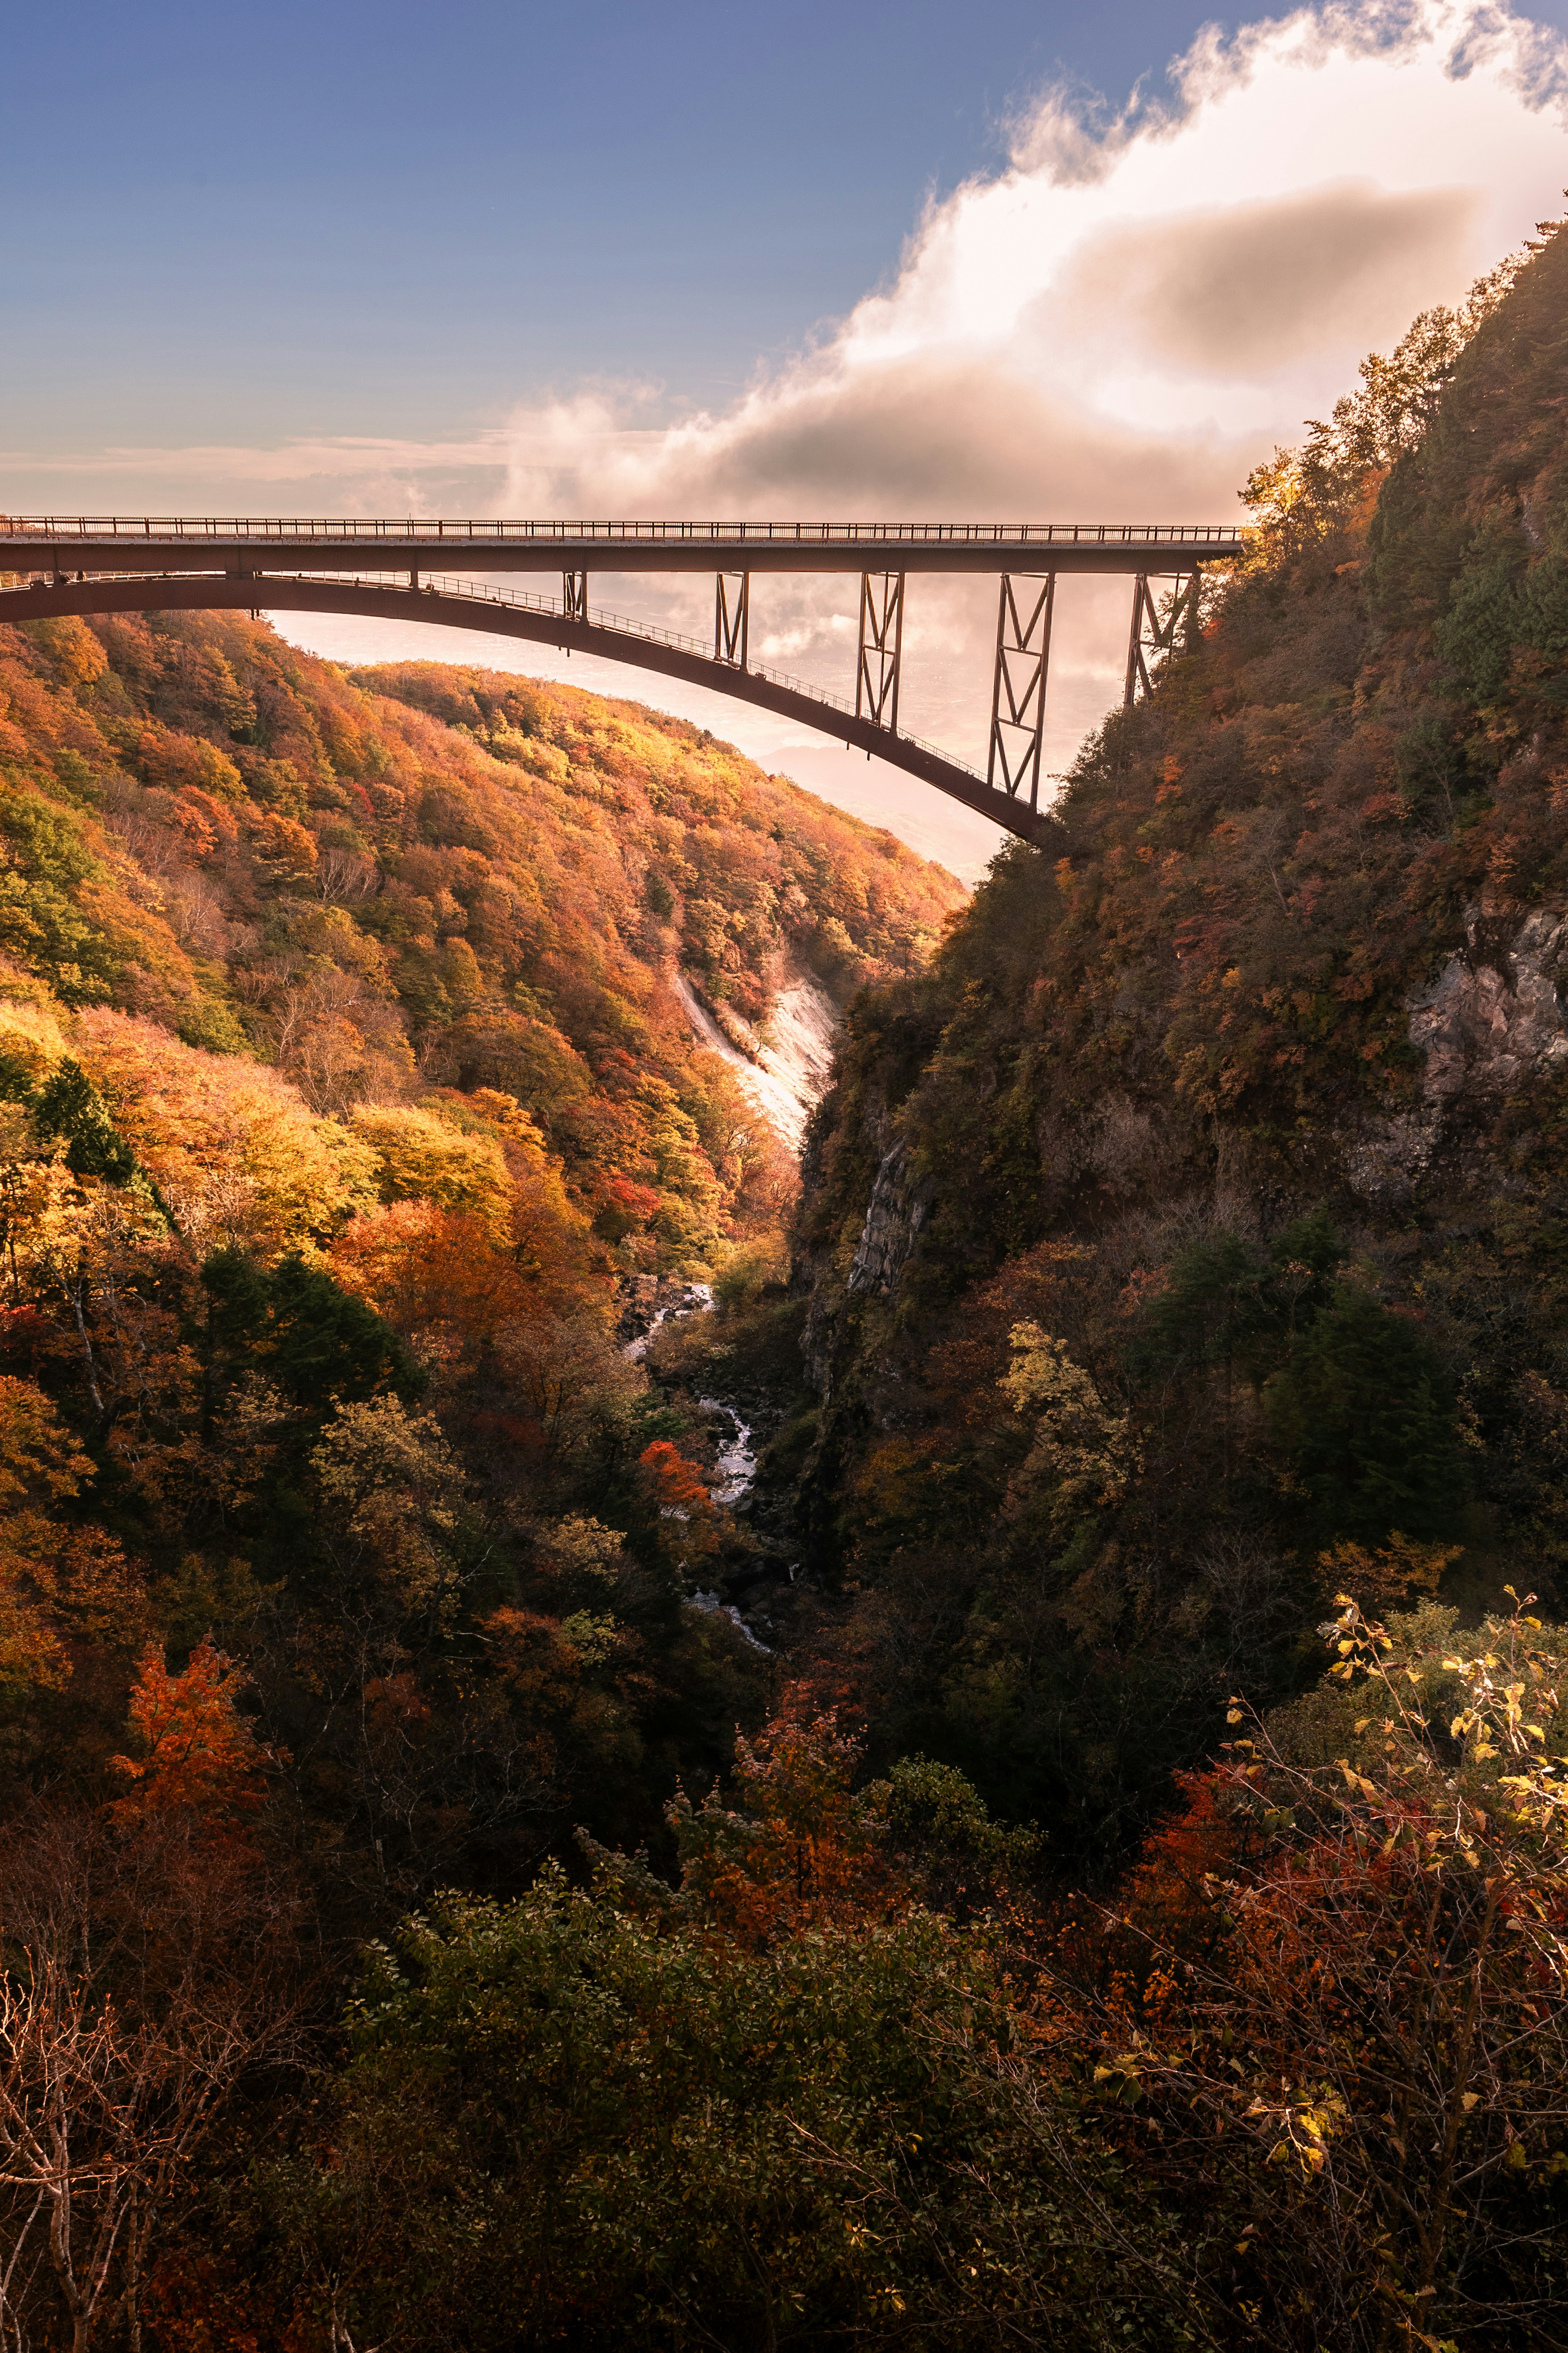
1125,1904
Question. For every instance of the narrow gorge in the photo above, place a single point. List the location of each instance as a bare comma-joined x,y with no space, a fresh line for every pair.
746,1603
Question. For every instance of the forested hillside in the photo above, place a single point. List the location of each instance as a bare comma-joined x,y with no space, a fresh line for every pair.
1124,1906
426,880
1258,1079
343,1084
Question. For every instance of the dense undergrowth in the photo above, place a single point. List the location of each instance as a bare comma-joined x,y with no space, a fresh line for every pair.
346,1563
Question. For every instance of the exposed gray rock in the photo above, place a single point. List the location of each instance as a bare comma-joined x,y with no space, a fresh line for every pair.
1496,1010
1496,1015
894,1216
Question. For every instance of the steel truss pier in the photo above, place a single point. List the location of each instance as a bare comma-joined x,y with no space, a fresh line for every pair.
1155,635
881,649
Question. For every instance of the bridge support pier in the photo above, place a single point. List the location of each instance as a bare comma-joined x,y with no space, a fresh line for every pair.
574,596
881,649
1150,637
732,617
1018,696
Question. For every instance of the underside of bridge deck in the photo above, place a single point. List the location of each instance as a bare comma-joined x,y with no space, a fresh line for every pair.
551,627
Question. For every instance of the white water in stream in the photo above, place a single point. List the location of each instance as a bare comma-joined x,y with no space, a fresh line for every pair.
736,1461
695,1300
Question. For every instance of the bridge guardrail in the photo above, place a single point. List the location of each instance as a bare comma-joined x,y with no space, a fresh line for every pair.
475,592
610,533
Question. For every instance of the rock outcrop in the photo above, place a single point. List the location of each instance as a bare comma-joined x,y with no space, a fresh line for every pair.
1492,1020
894,1216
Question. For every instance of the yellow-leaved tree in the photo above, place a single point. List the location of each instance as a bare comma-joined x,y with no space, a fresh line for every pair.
420,1157
1083,1453
234,1148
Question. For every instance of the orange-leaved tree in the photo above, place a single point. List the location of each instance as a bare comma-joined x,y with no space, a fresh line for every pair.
199,1754
56,1581
798,1847
677,1501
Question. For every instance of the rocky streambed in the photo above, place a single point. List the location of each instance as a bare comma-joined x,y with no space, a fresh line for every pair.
737,1411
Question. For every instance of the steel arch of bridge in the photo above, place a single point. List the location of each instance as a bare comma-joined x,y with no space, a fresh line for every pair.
86,564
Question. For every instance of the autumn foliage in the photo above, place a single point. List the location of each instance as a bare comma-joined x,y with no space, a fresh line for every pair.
196,1754
795,1844
677,1499
343,1084
1077,1858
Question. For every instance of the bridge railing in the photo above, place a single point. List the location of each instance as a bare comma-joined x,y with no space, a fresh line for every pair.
610,533
479,592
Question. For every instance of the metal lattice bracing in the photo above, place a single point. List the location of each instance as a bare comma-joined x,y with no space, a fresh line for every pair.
732,617
1152,636
881,648
574,596
1018,696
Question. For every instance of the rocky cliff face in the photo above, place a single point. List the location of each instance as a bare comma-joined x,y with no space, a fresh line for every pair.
1489,1028
894,1215
1492,1025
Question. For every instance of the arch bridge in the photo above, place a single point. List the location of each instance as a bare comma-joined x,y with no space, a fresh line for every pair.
396,570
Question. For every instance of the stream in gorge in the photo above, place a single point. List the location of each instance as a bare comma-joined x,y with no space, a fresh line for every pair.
784,1076
738,1429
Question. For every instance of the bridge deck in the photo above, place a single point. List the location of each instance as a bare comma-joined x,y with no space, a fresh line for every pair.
61,543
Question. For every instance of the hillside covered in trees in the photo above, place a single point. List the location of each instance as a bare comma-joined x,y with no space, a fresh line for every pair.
1127,1903
343,1084
427,882
1257,1079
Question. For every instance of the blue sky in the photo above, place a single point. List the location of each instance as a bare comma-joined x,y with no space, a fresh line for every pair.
233,222
850,261
307,217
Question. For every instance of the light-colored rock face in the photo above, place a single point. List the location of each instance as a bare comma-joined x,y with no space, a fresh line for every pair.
1495,1012
787,1073
893,1218
1495,1015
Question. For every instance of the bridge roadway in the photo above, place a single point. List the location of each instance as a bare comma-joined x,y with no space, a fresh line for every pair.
115,564
283,543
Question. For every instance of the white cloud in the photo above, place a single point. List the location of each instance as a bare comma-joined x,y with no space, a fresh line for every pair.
1108,320
1114,327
